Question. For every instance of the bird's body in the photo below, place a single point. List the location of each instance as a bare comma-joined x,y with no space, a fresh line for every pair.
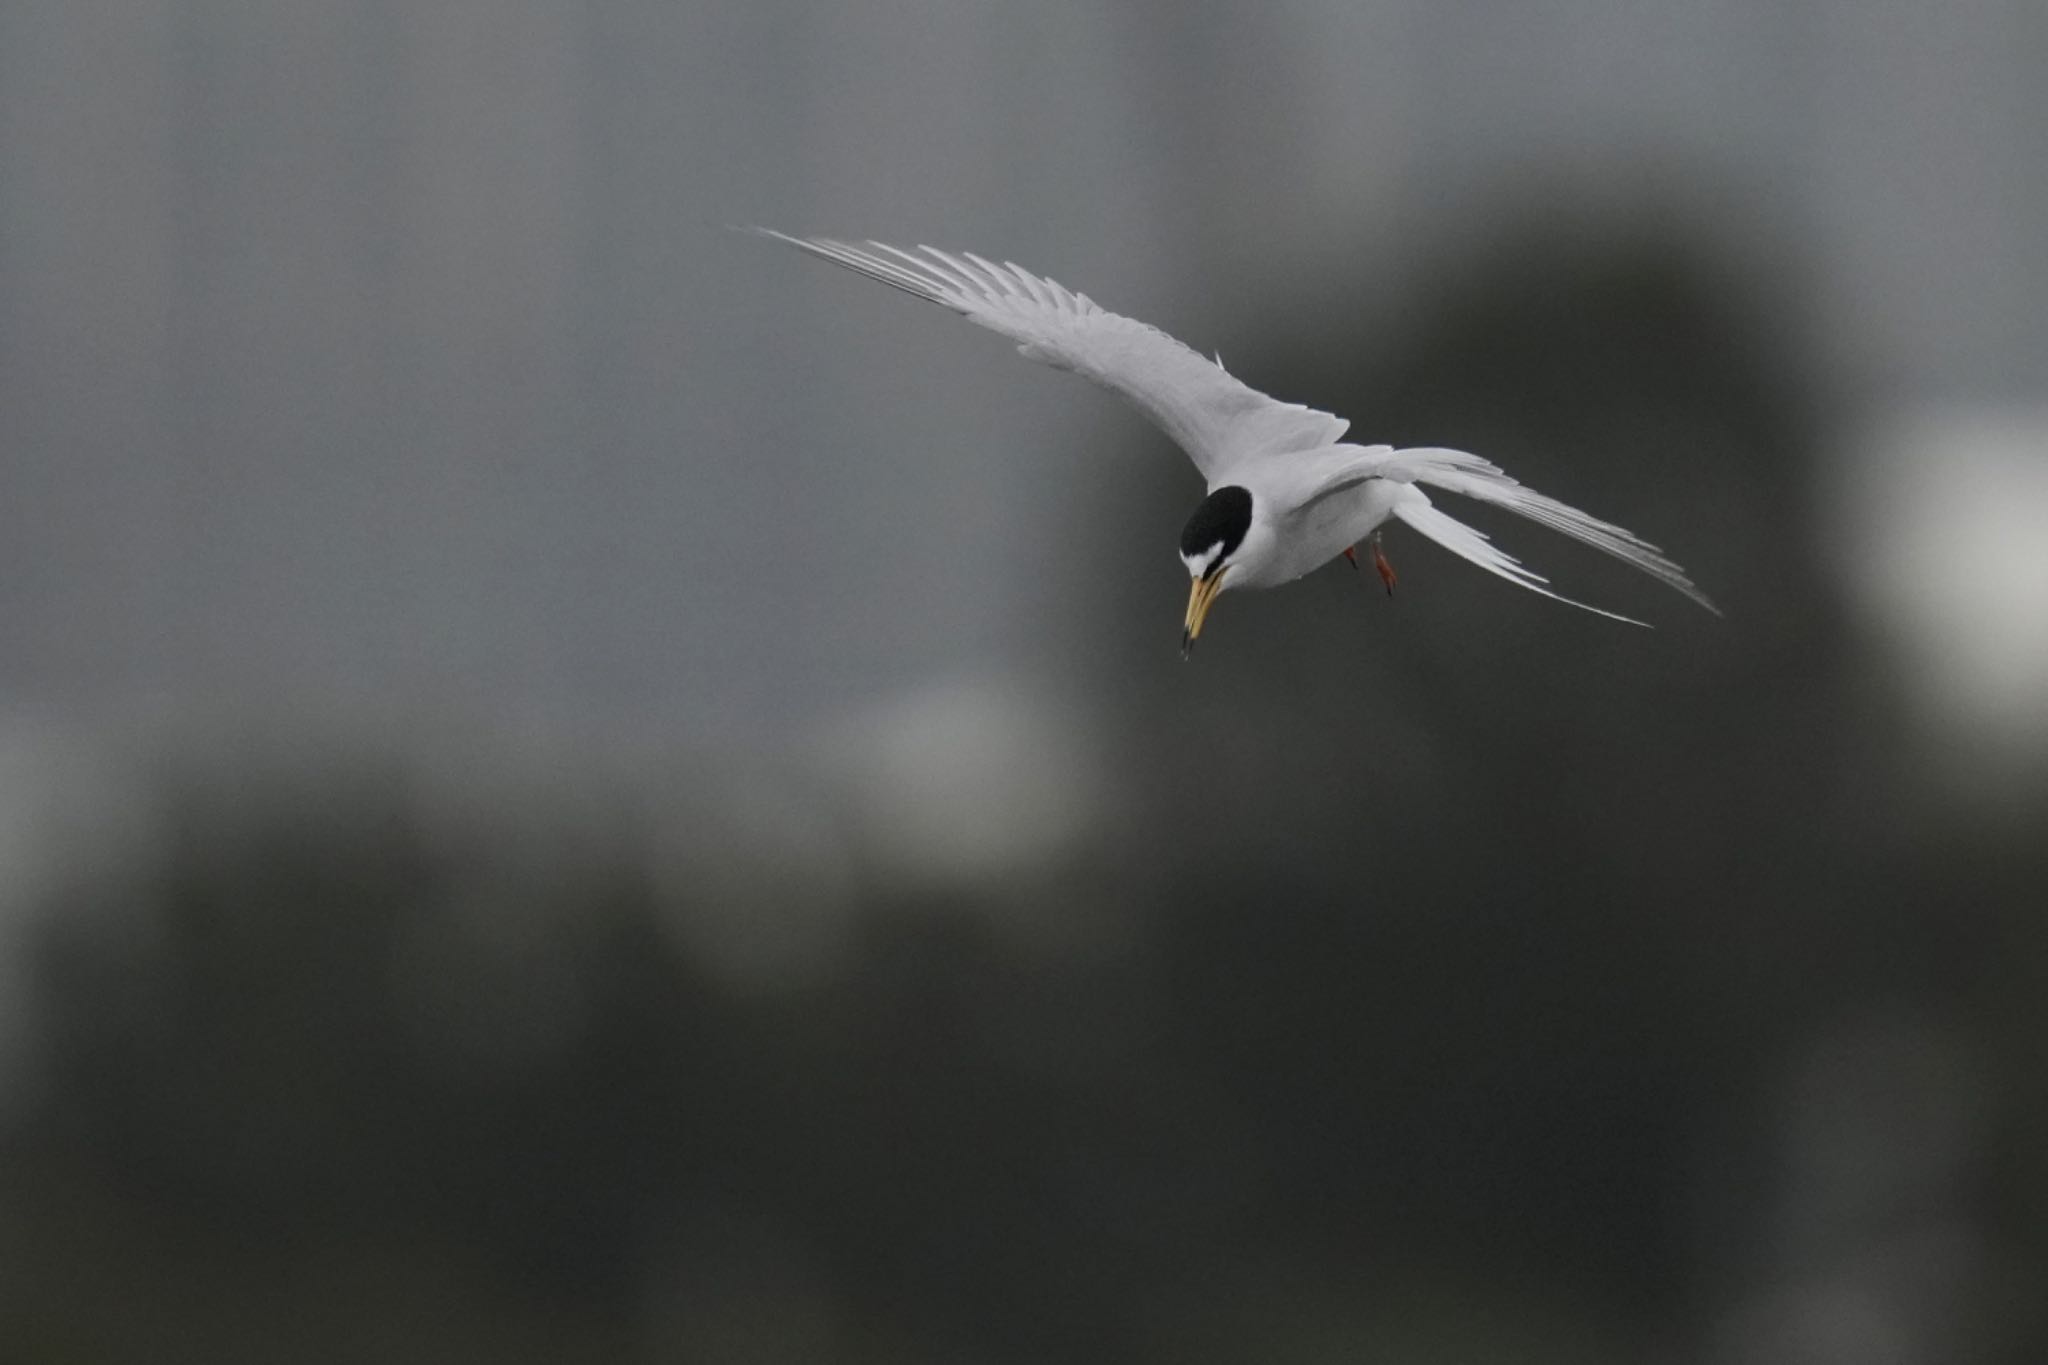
1286,493
1292,541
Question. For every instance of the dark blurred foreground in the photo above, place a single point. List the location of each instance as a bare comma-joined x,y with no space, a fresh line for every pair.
1455,979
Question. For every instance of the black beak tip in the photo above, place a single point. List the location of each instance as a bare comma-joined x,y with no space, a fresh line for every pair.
1187,645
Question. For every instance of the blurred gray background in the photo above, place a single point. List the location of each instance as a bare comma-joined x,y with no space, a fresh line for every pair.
577,786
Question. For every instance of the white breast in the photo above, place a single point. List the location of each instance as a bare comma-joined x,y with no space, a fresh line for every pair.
1308,538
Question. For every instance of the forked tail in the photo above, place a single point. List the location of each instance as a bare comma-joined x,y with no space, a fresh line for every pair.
1468,543
1472,477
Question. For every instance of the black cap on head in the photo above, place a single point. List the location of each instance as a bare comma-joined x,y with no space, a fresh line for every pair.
1222,520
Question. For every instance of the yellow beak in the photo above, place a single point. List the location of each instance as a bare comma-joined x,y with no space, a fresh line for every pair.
1201,596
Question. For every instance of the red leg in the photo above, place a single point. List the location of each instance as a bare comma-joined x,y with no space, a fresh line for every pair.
1351,553
1379,561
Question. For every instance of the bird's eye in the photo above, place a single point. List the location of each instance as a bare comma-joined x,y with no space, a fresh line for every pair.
1218,525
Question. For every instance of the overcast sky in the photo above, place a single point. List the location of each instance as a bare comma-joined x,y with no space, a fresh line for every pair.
393,356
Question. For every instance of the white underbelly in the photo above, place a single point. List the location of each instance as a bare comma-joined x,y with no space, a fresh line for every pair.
1331,525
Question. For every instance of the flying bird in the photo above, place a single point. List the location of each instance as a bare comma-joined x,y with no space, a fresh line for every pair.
1286,493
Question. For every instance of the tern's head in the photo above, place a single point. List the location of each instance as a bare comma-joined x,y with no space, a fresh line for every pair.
1212,536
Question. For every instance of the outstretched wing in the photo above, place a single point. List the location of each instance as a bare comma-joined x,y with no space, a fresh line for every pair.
1220,422
1475,547
1470,476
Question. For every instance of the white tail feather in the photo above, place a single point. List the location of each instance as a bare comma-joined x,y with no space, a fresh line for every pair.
1416,509
1454,471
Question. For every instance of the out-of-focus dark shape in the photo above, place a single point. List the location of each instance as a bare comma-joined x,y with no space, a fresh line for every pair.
571,789
1468,977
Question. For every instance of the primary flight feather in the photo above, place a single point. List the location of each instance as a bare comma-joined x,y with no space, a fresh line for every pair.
1286,493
